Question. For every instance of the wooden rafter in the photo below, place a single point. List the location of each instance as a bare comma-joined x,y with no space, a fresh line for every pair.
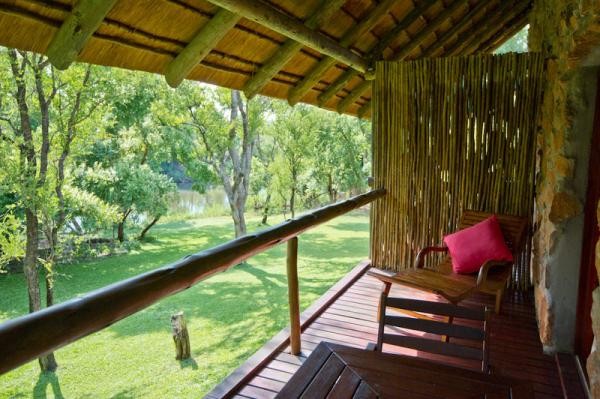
365,110
204,41
416,41
349,38
75,31
293,29
497,40
289,49
377,49
456,27
474,34
496,24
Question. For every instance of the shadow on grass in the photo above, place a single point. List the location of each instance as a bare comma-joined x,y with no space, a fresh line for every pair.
188,363
41,386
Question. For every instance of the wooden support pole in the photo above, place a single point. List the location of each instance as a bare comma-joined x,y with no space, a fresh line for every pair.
204,41
289,49
293,295
294,29
354,33
180,337
75,31
456,27
376,50
405,51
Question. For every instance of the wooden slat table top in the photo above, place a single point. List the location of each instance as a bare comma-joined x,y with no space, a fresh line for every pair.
337,371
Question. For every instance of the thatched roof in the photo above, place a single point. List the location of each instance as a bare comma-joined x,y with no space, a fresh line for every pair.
148,34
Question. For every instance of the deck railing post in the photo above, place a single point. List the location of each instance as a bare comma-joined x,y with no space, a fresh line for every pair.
293,295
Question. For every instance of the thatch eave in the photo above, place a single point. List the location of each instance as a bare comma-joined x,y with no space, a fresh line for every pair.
147,35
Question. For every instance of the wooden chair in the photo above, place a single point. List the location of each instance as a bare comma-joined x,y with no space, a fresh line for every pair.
492,276
446,329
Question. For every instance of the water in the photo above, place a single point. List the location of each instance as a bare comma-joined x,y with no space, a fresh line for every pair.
190,202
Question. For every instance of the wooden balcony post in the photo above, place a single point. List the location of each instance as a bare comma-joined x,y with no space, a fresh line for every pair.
293,295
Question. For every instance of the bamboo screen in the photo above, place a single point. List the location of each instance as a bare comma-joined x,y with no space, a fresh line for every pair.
451,134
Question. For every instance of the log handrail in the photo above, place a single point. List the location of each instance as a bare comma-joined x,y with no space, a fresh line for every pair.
33,335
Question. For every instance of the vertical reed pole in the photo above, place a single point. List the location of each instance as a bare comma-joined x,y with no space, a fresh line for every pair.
293,296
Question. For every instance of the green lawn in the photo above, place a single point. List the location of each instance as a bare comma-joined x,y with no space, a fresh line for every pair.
229,315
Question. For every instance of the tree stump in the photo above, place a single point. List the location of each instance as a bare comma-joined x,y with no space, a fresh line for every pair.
180,337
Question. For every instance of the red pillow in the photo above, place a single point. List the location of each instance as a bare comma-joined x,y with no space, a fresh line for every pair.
472,247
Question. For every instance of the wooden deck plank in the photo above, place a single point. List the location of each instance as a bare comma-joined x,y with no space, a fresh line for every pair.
351,319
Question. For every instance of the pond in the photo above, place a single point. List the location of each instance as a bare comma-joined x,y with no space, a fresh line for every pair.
189,202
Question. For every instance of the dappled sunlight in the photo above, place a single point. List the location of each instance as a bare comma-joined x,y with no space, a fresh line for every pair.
229,316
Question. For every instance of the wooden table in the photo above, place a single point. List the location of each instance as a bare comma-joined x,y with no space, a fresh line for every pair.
336,371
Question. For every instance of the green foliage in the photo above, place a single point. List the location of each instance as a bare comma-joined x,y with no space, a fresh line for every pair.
516,44
129,186
12,239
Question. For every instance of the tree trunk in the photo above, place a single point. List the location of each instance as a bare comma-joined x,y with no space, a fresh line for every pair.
266,209
292,202
121,226
121,231
30,261
332,192
239,220
148,227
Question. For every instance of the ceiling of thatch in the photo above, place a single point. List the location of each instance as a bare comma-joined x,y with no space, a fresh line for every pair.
148,34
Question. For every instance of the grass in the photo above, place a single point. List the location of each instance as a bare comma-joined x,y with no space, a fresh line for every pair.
229,316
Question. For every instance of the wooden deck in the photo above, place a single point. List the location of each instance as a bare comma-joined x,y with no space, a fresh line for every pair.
347,314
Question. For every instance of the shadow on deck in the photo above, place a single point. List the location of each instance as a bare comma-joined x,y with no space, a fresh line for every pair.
347,315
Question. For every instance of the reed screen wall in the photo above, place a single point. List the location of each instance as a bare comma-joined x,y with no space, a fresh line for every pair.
451,134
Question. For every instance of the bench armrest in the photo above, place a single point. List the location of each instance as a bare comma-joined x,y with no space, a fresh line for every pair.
483,272
427,250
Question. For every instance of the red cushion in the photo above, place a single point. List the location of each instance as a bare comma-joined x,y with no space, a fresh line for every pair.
472,247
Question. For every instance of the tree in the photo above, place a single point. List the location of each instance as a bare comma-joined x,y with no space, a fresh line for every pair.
262,179
133,140
132,187
36,149
341,150
219,130
295,133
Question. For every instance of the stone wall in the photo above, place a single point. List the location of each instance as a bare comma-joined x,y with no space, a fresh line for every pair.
565,31
593,362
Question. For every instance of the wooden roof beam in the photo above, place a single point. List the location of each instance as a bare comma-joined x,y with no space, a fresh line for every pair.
468,35
431,27
205,40
456,27
404,52
385,41
497,25
289,49
297,92
365,110
499,38
294,29
76,30
494,20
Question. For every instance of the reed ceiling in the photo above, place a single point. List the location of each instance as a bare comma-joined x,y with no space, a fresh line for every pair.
148,35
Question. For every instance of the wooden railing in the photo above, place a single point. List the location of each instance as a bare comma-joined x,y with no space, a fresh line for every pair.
35,334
